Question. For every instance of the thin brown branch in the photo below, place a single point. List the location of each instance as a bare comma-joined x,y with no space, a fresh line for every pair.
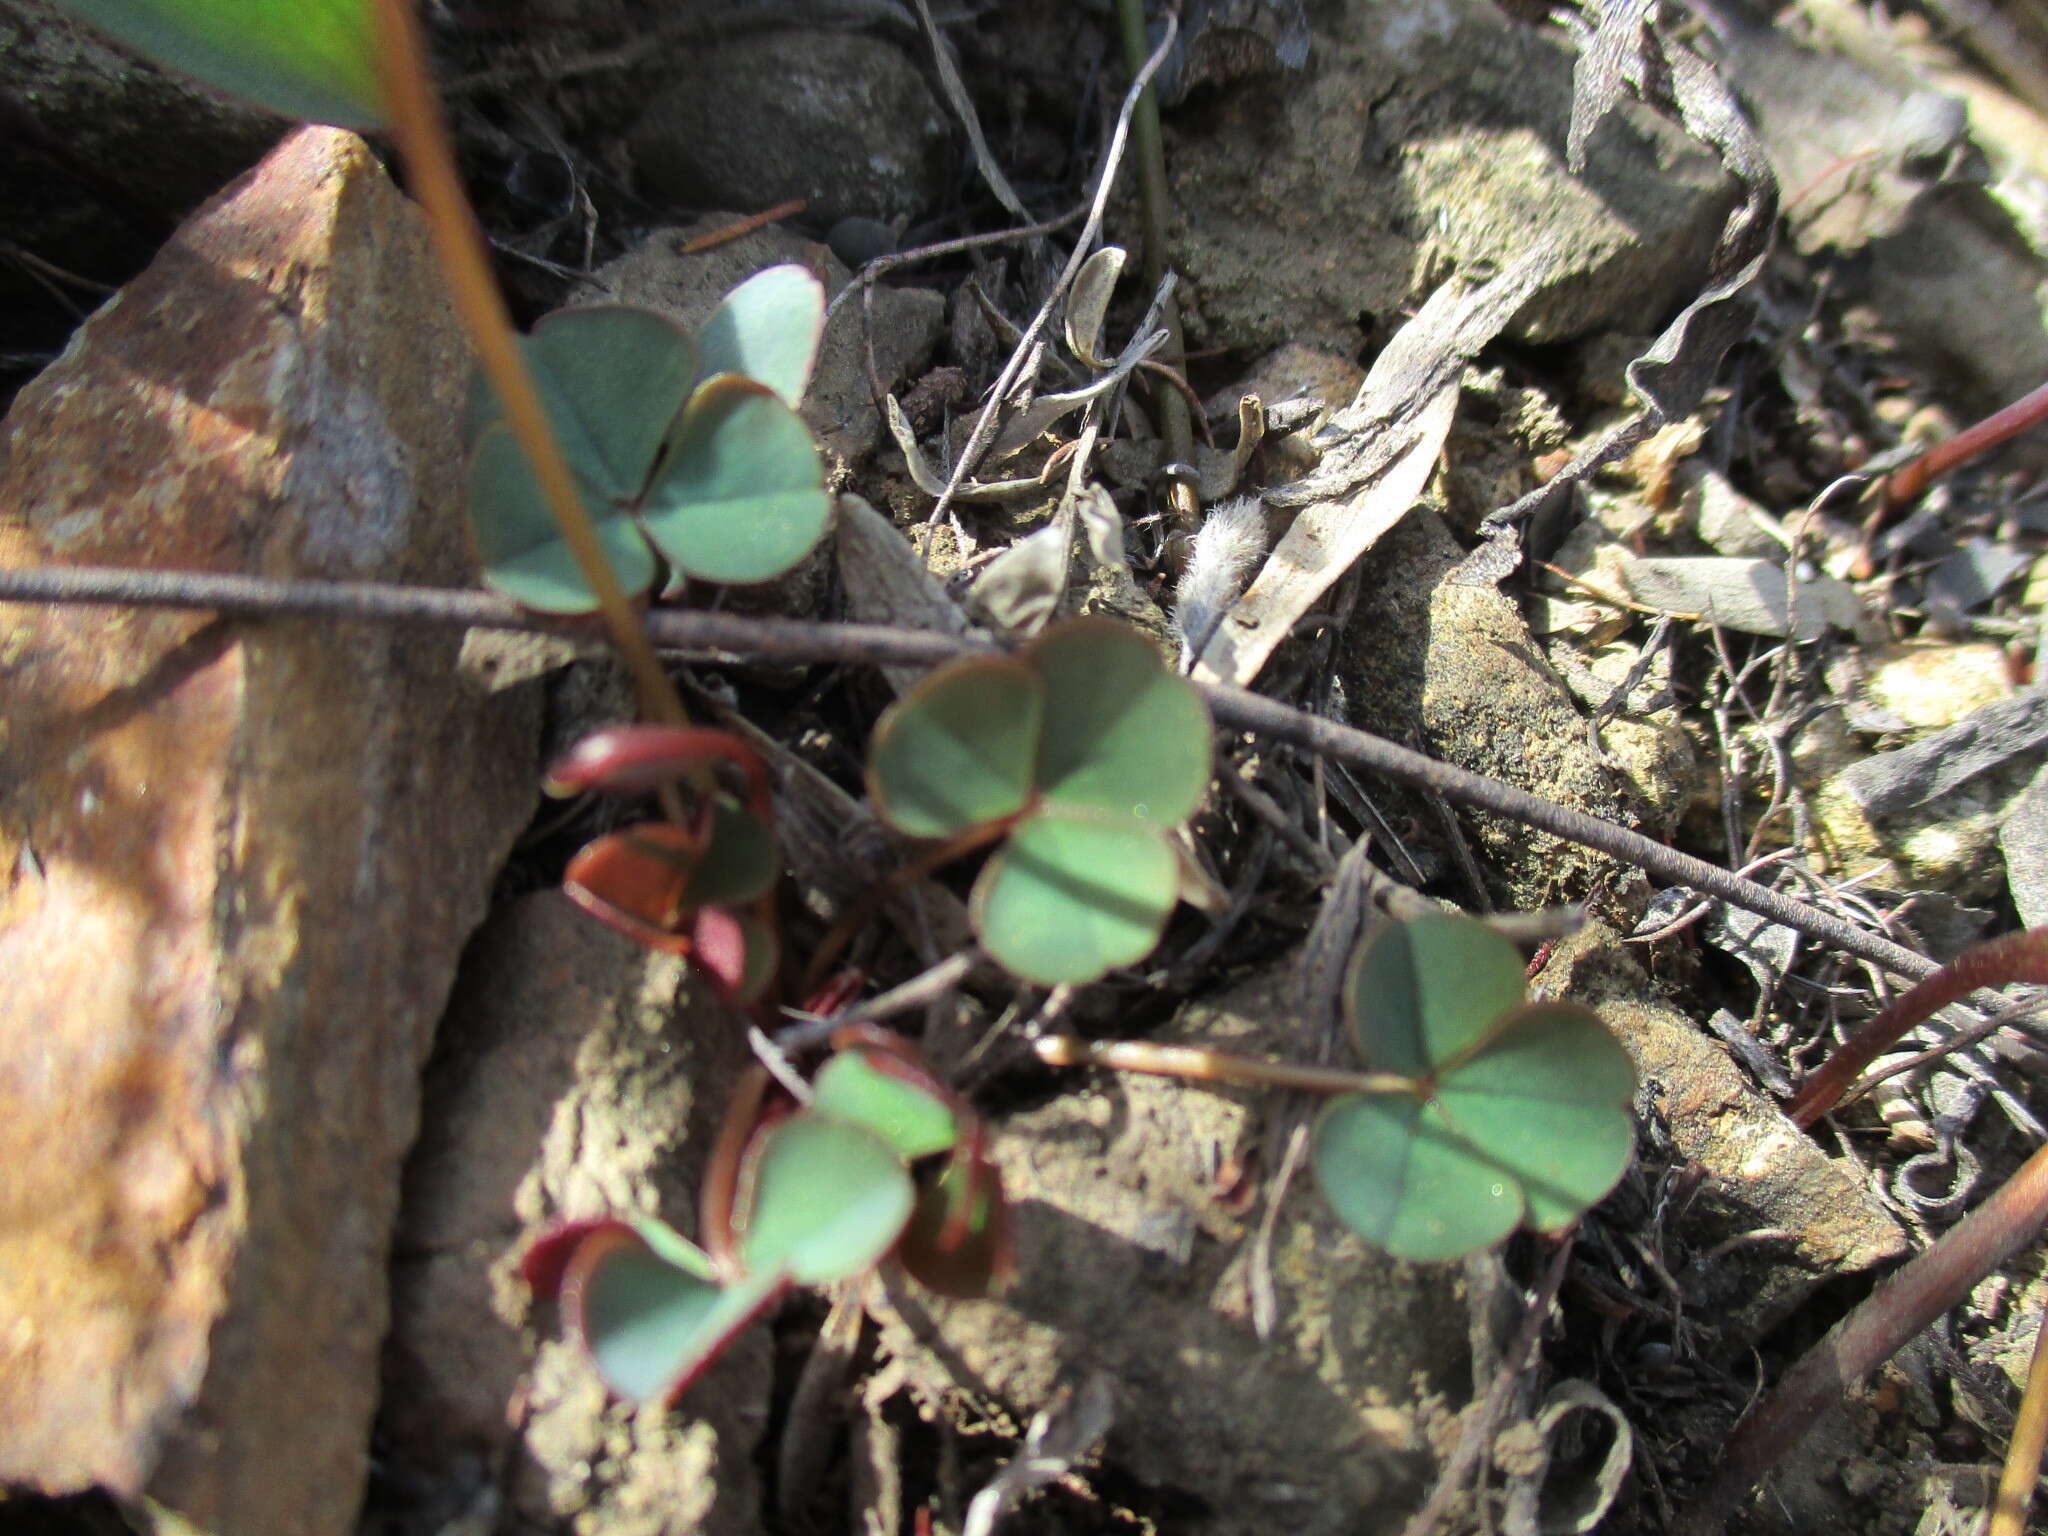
1251,712
727,233
803,641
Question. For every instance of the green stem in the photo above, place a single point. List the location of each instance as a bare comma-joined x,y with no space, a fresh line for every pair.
1176,425
458,243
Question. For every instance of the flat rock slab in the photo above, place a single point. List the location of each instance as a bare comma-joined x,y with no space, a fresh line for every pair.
578,1075
1455,669
241,858
1890,783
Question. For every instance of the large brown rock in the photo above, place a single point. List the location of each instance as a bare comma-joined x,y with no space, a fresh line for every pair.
240,859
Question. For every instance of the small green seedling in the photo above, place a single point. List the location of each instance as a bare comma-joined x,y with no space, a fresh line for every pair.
1085,753
694,448
1484,1112
1516,1114
700,887
808,1195
315,59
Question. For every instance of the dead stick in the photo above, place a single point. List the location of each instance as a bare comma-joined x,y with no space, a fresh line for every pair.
801,640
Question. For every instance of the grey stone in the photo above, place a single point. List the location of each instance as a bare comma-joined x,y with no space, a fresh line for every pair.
1947,264
1764,1172
842,121
1727,521
1892,782
1947,843
1426,138
1456,670
1753,596
2023,839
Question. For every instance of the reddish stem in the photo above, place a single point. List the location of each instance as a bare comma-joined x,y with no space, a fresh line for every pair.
1873,1333
632,759
1905,485
2015,957
744,226
722,1172
860,912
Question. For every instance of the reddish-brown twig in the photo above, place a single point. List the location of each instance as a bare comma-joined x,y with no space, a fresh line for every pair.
746,226
2014,957
1906,484
1873,1333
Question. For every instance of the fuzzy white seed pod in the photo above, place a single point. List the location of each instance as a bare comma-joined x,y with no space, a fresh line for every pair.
1221,556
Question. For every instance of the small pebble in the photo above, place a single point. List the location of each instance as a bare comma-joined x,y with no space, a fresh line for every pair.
857,240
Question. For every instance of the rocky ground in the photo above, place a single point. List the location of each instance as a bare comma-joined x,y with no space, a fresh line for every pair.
322,1047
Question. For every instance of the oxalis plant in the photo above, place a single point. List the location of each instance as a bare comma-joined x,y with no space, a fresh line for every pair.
1082,755
1482,1111
810,1192
613,452
690,449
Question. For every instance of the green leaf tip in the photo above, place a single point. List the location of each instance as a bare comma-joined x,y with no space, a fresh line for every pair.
642,1302
876,1091
1095,750
1123,733
314,59
767,329
740,496
957,750
1519,1114
524,554
1075,894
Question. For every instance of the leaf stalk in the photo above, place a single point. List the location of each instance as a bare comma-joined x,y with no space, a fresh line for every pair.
458,243
1205,1065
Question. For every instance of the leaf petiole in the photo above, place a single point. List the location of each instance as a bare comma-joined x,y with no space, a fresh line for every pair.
1214,1066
